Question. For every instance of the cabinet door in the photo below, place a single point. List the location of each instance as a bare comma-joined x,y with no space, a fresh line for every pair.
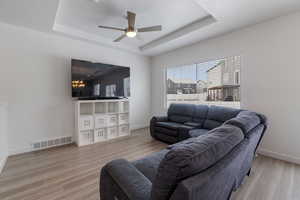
112,120
91,137
124,118
124,130
112,132
86,123
84,138
100,121
100,135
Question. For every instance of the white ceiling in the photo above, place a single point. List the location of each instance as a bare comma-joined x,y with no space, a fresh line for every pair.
85,15
184,21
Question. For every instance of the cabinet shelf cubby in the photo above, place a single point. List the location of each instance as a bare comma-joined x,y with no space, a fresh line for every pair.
101,120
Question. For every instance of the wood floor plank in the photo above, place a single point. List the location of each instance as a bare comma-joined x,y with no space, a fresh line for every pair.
72,173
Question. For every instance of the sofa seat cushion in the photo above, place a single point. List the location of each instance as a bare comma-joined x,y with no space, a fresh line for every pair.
169,125
187,159
148,165
198,132
193,124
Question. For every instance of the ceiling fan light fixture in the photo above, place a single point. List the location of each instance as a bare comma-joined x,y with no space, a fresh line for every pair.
131,31
131,34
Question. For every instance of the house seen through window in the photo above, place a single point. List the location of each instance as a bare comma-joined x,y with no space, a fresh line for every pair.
214,83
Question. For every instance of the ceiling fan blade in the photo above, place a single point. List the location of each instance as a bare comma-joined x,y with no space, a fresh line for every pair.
120,38
131,19
149,29
112,28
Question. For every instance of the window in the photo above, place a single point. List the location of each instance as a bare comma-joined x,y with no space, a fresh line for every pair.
110,90
126,82
214,83
237,77
97,89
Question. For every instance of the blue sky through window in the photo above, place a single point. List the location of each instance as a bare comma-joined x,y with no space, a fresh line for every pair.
191,72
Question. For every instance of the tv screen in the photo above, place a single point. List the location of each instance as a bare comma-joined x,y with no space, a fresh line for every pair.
99,80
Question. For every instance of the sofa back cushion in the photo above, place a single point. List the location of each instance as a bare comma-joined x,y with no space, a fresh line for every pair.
181,112
245,120
217,115
189,158
200,114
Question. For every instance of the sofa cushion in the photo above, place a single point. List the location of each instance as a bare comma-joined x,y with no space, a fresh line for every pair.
245,120
149,164
169,125
186,159
181,112
124,181
200,114
193,124
198,132
217,115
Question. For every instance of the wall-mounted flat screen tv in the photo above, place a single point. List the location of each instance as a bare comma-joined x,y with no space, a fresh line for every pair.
91,79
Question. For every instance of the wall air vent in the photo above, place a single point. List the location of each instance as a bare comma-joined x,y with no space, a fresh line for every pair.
51,143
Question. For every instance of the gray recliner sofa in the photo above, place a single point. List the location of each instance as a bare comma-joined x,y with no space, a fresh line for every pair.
187,120
206,166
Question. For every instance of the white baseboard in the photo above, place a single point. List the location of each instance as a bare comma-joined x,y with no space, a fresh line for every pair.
279,156
2,163
16,151
29,148
138,126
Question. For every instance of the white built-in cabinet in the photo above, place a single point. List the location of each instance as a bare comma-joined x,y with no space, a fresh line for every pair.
101,120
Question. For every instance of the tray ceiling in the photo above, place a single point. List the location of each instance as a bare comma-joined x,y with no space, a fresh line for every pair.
86,15
184,21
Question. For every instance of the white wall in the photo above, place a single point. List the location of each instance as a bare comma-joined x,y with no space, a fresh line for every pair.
3,135
270,77
35,76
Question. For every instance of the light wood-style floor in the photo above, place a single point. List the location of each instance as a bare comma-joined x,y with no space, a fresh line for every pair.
72,173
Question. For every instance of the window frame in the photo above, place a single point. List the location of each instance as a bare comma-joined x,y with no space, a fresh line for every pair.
239,77
166,67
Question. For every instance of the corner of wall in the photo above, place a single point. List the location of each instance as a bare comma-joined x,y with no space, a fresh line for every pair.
279,156
3,136
2,163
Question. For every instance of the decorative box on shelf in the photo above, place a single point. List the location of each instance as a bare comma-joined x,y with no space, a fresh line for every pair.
101,120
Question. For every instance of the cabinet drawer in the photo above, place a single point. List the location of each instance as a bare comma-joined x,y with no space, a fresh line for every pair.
100,121
86,138
112,132
124,118
86,123
100,135
112,120
124,130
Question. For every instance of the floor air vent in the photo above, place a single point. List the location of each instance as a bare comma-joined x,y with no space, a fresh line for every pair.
51,143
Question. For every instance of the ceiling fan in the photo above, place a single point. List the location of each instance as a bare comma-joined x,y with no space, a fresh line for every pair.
131,30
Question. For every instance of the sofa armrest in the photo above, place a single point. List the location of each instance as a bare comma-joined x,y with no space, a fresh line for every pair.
214,183
183,132
153,122
159,119
132,182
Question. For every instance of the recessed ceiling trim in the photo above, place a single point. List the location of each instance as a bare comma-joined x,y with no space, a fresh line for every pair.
196,25
69,31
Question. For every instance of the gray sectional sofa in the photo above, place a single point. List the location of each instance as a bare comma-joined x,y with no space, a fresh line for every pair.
211,152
